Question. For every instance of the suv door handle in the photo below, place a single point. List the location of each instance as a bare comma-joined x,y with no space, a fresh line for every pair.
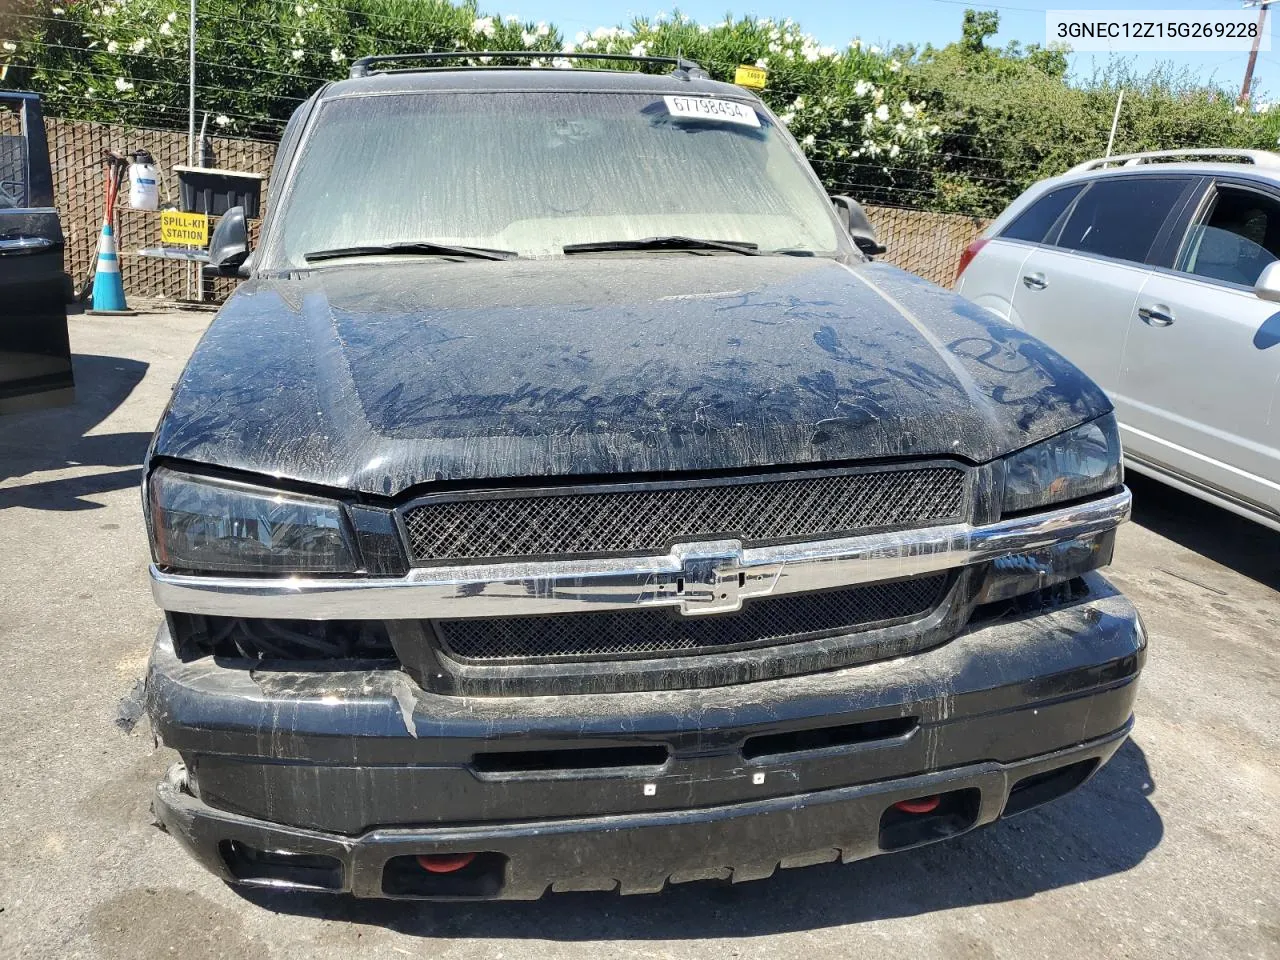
1035,281
15,246
1157,316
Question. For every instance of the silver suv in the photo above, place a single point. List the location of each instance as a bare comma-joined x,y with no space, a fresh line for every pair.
1157,274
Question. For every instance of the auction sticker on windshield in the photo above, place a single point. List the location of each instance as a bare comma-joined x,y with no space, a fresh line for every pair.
705,108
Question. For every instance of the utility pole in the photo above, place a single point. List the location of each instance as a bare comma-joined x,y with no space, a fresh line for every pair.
1262,6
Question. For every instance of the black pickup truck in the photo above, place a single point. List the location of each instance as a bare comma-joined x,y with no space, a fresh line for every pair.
565,502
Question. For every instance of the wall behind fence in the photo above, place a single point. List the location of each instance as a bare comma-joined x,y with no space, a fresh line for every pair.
928,244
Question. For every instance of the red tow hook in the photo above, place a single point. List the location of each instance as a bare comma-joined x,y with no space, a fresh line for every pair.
444,862
919,805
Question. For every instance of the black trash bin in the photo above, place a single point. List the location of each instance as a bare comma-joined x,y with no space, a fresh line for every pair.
212,191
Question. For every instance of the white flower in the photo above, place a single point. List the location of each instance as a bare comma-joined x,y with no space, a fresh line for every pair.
296,54
123,85
808,141
57,11
826,51
580,38
894,66
542,30
799,104
899,128
527,38
775,47
482,26
560,63
166,29
882,112
855,43
894,150
787,118
908,109
588,45
172,17
935,130
873,50
761,63
336,55
1262,107
222,119
862,88
112,46
299,10
9,46
139,45
640,49
1237,109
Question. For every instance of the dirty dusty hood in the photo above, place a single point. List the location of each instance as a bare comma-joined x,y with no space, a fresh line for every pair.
382,376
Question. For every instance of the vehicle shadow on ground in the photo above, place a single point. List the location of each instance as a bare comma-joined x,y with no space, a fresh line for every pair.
1246,547
44,440
1106,827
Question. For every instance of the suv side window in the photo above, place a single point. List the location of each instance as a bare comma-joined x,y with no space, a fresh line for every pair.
1238,238
13,158
1035,222
1121,217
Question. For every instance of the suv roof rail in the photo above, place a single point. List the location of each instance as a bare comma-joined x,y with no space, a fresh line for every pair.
1261,158
683,69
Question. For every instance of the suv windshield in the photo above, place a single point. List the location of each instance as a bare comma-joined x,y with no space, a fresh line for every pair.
533,173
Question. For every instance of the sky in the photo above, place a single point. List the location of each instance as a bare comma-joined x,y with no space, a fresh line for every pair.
886,22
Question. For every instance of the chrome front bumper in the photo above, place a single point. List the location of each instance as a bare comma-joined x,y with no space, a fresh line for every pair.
697,578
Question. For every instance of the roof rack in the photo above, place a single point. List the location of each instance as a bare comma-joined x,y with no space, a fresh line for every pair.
1261,158
683,69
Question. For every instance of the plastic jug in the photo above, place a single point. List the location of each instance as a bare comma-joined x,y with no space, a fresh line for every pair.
144,183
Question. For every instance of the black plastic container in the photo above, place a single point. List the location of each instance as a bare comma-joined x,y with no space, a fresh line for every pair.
212,191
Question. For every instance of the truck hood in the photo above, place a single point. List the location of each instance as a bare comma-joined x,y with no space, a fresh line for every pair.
383,376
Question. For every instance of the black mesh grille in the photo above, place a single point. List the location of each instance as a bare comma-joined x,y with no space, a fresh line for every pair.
785,619
651,520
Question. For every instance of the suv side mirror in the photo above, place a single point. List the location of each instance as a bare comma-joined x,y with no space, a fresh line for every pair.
858,225
229,246
1267,286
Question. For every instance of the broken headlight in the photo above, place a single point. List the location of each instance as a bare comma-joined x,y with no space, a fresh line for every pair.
206,525
1082,462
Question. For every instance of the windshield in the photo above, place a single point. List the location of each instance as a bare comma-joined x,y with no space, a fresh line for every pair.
533,173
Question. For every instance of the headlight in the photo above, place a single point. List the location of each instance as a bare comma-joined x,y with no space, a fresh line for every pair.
203,525
1082,462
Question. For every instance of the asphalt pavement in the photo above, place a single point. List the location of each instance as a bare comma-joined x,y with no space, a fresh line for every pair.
1172,851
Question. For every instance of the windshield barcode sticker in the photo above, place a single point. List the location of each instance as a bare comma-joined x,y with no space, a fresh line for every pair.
705,108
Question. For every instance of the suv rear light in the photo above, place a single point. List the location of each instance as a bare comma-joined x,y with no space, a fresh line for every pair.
970,252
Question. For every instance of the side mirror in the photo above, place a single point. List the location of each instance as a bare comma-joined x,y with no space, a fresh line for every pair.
858,225
229,246
1267,286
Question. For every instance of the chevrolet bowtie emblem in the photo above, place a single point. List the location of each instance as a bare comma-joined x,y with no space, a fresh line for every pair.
712,578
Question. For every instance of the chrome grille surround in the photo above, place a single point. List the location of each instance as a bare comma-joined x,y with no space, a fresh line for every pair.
650,518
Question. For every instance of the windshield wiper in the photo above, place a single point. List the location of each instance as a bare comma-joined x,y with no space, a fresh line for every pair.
424,248
665,243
